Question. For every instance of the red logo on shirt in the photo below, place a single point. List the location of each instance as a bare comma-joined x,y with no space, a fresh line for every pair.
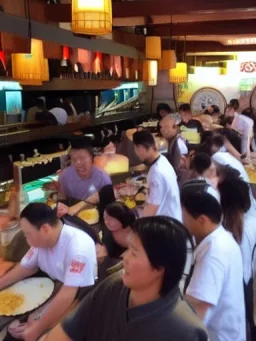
76,267
30,253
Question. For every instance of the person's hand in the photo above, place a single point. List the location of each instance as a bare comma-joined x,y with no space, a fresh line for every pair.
62,210
16,329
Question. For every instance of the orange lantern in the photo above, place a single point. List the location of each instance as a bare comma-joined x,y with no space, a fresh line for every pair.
168,60
30,69
152,72
153,48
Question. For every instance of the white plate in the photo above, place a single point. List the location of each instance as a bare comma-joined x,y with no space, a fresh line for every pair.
36,291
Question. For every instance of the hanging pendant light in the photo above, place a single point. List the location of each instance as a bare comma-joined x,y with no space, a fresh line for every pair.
152,72
145,70
168,60
179,74
92,17
30,69
153,48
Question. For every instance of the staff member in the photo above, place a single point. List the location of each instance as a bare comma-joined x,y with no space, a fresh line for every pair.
66,254
164,197
216,287
82,180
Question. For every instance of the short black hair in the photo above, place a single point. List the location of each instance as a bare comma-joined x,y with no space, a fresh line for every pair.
216,109
199,203
39,214
217,140
40,103
185,107
201,162
122,213
248,112
165,242
163,106
234,103
82,143
144,138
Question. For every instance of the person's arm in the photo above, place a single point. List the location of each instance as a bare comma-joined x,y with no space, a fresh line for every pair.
57,308
74,326
200,307
81,205
18,273
55,334
206,284
156,194
150,210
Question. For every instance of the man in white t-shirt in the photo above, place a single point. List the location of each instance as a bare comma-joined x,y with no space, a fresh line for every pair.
63,252
216,287
164,196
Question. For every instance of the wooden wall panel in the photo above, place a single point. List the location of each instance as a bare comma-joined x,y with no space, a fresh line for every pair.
16,7
52,50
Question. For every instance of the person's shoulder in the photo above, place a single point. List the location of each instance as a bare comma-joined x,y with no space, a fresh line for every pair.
77,238
66,172
188,323
111,287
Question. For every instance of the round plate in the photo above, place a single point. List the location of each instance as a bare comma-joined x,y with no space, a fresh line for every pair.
205,97
36,291
253,99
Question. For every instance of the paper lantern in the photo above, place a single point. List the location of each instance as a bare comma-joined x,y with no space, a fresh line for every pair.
153,48
145,71
92,17
30,69
168,60
152,72
179,74
66,52
97,63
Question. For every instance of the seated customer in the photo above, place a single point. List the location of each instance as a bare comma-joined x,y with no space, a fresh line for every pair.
64,253
118,219
216,286
143,301
82,180
190,128
176,145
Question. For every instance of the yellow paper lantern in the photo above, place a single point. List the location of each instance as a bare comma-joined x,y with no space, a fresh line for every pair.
145,71
153,48
93,17
31,69
152,72
179,74
168,60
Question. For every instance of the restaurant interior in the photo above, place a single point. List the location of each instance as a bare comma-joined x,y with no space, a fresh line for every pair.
114,70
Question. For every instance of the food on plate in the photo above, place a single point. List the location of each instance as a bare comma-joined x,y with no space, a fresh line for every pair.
90,216
129,202
10,302
140,197
126,190
51,186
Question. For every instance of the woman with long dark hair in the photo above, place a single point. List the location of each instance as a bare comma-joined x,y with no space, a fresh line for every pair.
118,220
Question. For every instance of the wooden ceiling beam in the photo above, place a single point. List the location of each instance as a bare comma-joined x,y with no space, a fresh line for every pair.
163,7
206,46
207,28
126,9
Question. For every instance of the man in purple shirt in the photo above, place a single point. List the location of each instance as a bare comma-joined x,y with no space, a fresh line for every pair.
82,180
